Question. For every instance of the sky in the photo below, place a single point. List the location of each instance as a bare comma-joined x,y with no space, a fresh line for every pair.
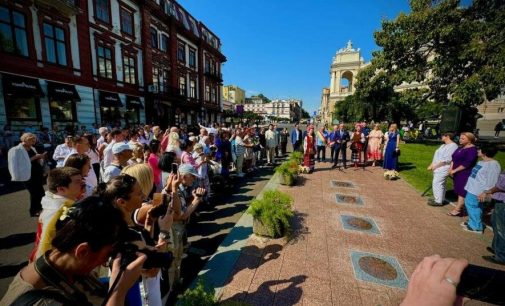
284,48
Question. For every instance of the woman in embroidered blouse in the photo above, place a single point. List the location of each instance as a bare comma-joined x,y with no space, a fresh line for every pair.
463,160
357,140
374,144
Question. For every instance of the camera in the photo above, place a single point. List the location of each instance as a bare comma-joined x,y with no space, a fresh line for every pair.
155,259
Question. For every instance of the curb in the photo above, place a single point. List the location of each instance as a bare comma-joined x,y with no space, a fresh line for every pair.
218,268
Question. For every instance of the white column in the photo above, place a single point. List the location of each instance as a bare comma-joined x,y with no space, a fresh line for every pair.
332,83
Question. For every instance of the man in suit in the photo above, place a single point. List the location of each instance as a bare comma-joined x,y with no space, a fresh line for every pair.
339,142
296,138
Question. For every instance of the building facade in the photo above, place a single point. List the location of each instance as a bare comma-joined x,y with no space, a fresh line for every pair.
234,94
344,68
288,109
114,62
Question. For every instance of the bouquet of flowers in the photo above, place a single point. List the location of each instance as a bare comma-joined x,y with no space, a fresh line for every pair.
391,175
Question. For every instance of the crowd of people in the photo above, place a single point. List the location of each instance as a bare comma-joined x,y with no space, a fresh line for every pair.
131,192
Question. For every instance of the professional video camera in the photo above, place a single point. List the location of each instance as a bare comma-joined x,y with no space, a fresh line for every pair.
154,259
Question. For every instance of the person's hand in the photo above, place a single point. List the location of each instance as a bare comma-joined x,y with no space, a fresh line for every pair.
430,167
452,172
173,182
165,221
198,193
483,197
434,282
130,275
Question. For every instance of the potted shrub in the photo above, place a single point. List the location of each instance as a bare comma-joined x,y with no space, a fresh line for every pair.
288,171
296,156
271,214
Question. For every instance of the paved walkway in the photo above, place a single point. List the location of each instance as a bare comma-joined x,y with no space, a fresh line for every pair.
357,253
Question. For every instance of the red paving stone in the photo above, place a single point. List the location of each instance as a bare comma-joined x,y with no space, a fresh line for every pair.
314,267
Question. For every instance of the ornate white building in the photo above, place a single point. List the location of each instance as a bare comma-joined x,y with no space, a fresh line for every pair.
344,68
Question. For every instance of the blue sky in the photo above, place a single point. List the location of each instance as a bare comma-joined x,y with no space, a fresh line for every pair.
284,48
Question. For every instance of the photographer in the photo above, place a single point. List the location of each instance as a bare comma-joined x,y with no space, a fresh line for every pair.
127,194
85,238
189,200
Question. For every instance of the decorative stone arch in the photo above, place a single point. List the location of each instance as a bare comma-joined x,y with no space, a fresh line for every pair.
346,81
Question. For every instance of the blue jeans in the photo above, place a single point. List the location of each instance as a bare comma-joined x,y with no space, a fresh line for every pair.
474,210
498,223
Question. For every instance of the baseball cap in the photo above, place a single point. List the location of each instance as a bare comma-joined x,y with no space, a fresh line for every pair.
120,147
188,169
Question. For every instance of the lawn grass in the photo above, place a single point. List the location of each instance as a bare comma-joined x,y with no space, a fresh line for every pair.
414,160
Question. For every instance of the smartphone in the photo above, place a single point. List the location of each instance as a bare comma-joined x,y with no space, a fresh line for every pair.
483,284
175,167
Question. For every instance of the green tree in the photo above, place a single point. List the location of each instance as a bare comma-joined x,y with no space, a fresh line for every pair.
305,114
457,52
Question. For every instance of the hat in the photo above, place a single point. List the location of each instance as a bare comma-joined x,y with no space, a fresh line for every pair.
120,147
188,169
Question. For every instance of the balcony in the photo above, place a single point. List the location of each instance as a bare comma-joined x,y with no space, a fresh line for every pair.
66,7
213,75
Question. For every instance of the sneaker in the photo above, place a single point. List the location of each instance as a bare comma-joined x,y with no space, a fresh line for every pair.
469,229
432,202
464,224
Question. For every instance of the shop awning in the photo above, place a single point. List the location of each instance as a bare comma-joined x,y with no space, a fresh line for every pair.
133,102
22,87
110,99
62,92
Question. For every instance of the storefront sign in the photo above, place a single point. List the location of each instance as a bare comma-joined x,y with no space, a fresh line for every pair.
62,92
110,99
19,86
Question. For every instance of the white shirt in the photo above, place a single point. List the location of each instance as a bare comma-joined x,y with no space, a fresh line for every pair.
444,154
60,154
483,177
107,154
271,140
111,172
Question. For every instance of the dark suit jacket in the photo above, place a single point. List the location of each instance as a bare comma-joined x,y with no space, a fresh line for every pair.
343,136
293,136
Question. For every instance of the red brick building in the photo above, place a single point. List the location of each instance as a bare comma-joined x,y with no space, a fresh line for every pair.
107,62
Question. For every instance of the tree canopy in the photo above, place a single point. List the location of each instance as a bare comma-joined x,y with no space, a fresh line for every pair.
456,55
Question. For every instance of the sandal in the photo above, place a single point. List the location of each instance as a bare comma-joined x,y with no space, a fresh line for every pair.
457,214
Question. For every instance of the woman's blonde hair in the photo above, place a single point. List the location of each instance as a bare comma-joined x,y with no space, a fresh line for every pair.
143,174
137,147
376,126
471,137
393,126
173,139
27,136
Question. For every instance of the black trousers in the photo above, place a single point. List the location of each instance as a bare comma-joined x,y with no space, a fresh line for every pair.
340,150
319,150
35,186
296,146
283,148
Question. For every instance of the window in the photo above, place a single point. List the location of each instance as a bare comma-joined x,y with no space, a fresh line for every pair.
13,32
54,38
182,86
207,65
129,69
213,95
181,52
126,21
500,109
102,11
154,38
104,55
192,58
62,111
22,108
160,79
207,93
192,89
164,42
132,116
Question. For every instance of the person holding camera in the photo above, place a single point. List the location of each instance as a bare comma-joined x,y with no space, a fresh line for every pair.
127,194
86,236
189,200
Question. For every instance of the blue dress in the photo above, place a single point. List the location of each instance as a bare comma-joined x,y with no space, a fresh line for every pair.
390,158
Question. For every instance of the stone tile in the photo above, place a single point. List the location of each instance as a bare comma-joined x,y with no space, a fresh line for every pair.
268,270
310,301
292,269
240,280
317,288
373,297
347,300
261,294
230,294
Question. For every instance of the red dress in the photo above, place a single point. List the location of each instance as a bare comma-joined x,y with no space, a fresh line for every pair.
308,156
